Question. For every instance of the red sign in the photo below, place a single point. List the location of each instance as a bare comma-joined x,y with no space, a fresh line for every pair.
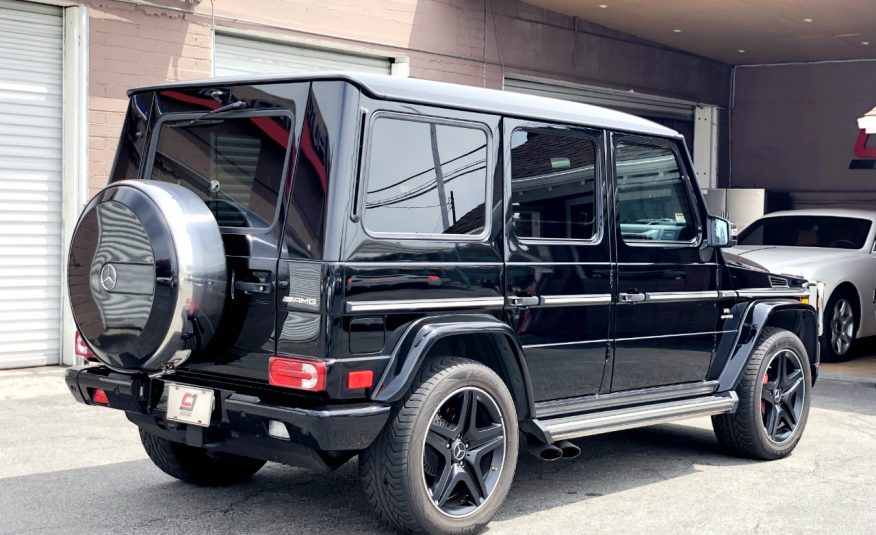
866,154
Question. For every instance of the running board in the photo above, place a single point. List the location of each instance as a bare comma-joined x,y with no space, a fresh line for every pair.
582,425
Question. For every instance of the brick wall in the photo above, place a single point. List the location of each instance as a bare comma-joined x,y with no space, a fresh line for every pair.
450,40
132,46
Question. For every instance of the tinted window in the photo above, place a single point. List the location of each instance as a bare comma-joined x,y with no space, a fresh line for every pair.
807,231
652,197
426,178
234,165
552,185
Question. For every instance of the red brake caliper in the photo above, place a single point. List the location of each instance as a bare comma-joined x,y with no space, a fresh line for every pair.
762,402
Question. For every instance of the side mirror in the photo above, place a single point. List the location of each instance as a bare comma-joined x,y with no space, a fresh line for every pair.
720,233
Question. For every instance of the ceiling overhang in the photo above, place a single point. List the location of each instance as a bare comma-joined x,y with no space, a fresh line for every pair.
740,32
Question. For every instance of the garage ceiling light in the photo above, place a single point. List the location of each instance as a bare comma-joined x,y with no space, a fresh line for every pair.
676,30
741,51
602,6
807,20
865,42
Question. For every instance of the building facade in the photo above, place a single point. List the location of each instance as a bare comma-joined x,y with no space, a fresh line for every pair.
65,67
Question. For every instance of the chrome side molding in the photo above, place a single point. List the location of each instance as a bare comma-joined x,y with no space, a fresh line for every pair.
680,297
424,304
772,292
579,299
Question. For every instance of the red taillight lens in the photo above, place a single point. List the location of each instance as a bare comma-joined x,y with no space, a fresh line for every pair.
360,379
98,396
299,374
81,348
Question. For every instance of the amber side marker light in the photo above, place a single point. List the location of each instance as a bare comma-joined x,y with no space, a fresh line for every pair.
300,374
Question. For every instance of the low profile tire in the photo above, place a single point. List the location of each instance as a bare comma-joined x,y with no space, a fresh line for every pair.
446,458
193,465
840,326
774,397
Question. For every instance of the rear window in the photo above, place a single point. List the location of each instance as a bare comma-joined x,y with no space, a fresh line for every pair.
807,231
234,164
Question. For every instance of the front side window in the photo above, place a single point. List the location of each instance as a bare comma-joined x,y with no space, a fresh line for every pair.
234,164
553,186
653,200
426,178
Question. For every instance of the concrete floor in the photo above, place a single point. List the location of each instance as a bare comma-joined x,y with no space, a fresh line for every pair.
68,468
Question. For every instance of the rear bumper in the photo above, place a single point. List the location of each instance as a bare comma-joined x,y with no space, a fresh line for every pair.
320,438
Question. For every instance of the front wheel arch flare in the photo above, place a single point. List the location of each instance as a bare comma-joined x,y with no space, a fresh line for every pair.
793,316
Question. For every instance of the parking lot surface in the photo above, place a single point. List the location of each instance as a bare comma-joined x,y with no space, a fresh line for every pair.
68,468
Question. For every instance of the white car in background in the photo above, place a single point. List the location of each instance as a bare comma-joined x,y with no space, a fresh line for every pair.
830,245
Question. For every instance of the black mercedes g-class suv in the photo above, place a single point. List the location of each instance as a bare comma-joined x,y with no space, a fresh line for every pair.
306,268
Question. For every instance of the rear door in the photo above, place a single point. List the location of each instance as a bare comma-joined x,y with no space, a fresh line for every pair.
239,163
666,314
558,282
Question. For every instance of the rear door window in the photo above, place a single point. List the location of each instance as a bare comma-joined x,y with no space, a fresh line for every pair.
553,186
236,165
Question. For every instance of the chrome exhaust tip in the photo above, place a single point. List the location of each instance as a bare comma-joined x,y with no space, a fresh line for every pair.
569,450
545,452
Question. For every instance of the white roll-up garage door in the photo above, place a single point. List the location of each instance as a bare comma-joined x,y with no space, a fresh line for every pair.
31,39
631,102
235,55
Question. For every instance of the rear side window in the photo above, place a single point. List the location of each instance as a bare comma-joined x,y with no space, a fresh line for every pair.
553,186
234,164
653,200
425,177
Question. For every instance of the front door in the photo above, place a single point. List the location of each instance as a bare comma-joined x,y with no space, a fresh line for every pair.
665,318
558,255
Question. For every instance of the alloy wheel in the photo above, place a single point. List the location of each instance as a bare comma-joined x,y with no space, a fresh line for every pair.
783,395
464,452
842,327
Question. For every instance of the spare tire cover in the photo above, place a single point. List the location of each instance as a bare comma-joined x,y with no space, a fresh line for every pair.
146,275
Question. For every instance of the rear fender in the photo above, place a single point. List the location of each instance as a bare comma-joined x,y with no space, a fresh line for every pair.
420,338
736,348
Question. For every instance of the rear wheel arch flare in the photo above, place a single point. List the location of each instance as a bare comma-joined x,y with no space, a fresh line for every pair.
481,338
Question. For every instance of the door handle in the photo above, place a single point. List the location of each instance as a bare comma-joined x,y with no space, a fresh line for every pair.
632,297
252,287
261,287
523,301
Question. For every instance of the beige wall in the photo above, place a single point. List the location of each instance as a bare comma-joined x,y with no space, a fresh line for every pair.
451,40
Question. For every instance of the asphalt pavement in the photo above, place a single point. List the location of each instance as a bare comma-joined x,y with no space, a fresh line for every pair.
67,468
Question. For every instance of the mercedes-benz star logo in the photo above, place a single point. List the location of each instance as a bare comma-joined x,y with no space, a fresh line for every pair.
458,450
108,277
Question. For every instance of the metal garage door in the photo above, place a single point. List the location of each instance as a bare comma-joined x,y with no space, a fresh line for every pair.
30,184
235,55
650,106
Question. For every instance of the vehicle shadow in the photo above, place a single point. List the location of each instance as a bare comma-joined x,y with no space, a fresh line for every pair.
135,497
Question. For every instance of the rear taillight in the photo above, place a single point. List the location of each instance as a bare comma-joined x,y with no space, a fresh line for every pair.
299,374
81,348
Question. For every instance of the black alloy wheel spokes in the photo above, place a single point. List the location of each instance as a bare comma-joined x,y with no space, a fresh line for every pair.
782,396
464,452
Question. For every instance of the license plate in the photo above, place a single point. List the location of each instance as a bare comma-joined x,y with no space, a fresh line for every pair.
189,404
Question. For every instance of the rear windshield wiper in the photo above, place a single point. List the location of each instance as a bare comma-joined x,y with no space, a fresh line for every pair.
237,105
